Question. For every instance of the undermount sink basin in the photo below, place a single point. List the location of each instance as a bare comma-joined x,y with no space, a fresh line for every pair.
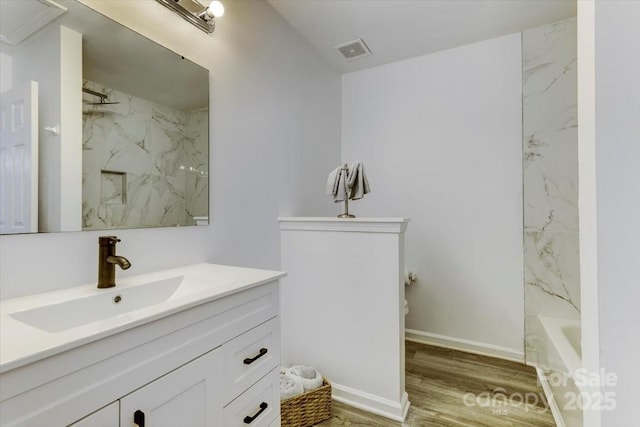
66,315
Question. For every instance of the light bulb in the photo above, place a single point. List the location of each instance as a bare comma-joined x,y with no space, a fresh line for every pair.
215,9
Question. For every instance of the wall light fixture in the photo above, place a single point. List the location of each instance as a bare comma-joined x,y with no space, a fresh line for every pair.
195,12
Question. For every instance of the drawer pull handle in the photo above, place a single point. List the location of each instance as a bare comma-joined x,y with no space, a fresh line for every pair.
138,418
249,420
249,361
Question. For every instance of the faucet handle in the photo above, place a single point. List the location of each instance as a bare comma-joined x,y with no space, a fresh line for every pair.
108,240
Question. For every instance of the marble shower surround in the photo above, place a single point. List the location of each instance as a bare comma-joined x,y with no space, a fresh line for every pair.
162,152
550,168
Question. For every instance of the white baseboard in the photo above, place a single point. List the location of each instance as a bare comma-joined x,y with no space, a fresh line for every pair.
464,345
553,405
396,411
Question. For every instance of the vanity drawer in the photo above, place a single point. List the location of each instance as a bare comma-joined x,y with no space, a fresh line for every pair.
257,407
249,357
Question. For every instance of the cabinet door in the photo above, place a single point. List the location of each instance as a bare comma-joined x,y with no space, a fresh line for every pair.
189,396
109,416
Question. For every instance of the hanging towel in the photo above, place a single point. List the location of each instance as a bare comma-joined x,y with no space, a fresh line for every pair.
357,181
305,375
332,181
289,387
336,184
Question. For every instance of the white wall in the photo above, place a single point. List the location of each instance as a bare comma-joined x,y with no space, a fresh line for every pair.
343,288
617,207
275,133
441,138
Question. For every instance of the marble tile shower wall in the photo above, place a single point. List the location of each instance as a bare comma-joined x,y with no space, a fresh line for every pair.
550,167
143,164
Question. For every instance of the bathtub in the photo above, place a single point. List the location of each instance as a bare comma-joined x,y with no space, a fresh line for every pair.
559,360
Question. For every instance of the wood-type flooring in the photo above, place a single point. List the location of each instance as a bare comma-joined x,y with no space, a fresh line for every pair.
449,388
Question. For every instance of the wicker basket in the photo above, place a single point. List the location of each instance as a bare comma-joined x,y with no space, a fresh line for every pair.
307,409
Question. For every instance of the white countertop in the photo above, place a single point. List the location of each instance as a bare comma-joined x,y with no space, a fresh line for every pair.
21,344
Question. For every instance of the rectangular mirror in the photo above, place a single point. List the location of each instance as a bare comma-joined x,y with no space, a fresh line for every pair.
102,128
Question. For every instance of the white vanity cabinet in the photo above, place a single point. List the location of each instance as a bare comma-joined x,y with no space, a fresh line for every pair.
211,364
180,398
105,417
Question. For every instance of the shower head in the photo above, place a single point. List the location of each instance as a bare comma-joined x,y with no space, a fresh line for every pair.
102,97
101,103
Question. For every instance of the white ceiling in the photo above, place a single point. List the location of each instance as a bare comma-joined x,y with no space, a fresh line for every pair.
401,29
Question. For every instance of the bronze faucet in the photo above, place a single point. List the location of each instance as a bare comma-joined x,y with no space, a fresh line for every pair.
107,261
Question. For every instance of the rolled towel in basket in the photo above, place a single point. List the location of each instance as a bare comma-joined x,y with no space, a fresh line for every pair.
305,375
289,387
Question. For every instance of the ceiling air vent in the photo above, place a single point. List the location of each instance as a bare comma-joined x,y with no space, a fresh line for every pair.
353,49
